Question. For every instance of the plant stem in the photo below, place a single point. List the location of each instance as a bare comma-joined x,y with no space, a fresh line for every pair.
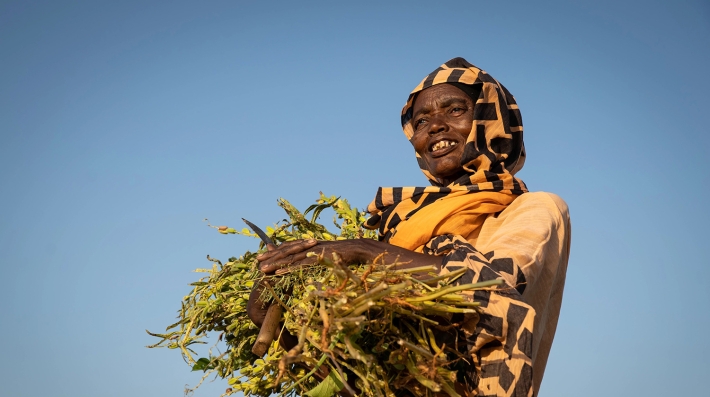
309,374
457,288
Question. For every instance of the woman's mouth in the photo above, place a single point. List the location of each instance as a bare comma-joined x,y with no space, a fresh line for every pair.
442,147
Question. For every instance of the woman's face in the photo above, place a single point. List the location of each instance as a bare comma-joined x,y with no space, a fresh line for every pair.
442,120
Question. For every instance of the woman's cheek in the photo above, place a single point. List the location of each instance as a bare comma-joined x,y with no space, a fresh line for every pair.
419,144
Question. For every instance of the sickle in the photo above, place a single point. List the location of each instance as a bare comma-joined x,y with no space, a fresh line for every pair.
273,313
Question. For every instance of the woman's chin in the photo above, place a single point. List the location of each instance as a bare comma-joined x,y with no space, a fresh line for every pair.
450,176
445,166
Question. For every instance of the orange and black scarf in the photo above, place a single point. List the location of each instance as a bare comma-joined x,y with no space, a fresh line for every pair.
444,220
494,152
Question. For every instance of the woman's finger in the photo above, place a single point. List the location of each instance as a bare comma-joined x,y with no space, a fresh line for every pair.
293,259
256,308
305,262
285,249
274,250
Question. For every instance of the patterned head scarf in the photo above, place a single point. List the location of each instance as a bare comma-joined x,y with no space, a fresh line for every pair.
493,153
495,143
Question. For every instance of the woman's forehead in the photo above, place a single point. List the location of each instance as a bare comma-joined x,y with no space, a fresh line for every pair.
438,95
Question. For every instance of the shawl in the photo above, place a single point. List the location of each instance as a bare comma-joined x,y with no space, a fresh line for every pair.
445,220
493,153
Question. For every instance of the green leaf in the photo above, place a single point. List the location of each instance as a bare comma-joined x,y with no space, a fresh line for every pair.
328,387
201,364
310,208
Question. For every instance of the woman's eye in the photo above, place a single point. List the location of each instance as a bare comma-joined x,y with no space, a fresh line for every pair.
419,123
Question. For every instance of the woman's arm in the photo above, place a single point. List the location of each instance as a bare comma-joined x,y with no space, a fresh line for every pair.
293,254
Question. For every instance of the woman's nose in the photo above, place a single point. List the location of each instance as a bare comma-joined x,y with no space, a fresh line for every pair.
437,124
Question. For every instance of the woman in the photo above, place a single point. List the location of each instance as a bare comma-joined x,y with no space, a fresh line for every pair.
467,134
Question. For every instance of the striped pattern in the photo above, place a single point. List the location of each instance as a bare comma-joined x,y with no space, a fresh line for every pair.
494,150
495,144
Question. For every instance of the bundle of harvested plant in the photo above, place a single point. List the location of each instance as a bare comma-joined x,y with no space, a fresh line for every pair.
378,326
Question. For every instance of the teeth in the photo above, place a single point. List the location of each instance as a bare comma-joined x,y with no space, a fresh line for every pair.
441,145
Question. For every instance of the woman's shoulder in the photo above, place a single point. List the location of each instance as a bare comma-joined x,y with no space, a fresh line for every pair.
527,224
542,202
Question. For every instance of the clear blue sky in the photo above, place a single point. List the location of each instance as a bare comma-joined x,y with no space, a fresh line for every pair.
124,124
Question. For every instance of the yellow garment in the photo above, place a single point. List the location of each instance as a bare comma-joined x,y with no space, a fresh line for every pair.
468,219
527,245
534,233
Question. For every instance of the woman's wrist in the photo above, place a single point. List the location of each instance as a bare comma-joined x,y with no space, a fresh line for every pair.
369,250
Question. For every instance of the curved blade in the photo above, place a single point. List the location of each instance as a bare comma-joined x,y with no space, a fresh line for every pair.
259,232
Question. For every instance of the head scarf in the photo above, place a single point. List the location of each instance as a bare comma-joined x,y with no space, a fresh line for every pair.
493,153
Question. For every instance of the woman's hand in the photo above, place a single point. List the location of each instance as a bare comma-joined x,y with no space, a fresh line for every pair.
292,255
256,308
